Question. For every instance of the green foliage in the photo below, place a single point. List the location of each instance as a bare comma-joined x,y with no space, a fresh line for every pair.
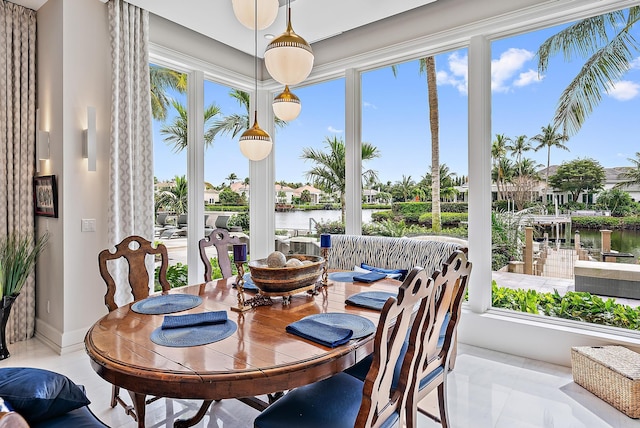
506,238
229,197
390,228
595,222
446,219
574,305
240,219
332,227
18,256
412,211
239,208
578,176
177,275
617,201
382,215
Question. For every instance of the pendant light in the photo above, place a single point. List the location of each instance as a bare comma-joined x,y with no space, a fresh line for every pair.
288,57
286,106
245,11
255,143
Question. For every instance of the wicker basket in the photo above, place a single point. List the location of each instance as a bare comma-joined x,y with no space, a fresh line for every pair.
610,372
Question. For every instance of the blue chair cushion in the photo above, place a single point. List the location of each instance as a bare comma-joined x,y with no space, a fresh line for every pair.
361,369
401,273
39,394
333,402
78,418
429,377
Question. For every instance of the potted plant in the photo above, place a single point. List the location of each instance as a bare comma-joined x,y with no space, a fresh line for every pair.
18,255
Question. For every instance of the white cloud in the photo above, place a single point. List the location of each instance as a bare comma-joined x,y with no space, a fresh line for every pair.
624,90
635,64
456,76
527,78
507,66
368,104
334,130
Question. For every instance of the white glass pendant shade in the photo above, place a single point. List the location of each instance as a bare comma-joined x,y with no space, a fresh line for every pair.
288,57
245,12
255,144
286,106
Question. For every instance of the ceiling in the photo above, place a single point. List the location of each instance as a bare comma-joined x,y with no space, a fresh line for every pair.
313,20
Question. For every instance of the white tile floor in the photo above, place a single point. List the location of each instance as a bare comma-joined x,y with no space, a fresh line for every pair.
486,389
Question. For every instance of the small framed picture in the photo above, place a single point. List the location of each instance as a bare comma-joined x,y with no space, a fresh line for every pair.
45,195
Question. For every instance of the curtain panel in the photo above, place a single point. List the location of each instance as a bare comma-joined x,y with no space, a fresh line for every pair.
17,145
131,204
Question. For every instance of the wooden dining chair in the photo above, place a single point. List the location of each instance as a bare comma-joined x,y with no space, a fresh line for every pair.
433,362
345,401
135,250
220,239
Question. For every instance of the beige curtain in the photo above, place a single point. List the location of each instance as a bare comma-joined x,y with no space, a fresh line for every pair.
131,163
17,145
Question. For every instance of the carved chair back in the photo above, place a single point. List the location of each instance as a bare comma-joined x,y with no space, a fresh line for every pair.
134,249
399,319
220,239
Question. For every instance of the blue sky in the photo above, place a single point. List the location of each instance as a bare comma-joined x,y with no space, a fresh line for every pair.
395,117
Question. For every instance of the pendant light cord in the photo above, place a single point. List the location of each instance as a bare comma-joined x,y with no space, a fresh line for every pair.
255,54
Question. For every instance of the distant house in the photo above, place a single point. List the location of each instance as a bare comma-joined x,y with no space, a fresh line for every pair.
211,196
315,193
241,188
284,194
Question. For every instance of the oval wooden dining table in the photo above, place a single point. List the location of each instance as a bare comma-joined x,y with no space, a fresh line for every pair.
259,358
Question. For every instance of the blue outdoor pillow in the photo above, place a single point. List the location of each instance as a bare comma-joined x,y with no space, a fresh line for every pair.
401,273
39,394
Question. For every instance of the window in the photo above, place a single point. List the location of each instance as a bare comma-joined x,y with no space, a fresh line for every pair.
302,200
535,162
396,123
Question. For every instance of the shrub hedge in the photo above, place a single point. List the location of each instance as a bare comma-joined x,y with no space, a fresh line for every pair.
574,305
606,222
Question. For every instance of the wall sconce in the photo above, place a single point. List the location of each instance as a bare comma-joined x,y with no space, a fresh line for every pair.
42,143
89,144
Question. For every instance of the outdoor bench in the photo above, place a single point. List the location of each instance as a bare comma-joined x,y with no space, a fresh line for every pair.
608,279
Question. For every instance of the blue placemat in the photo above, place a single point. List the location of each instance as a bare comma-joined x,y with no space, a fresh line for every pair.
370,299
360,326
191,320
342,276
248,285
166,304
321,333
194,335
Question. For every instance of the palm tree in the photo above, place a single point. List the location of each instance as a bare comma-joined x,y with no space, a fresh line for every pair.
161,79
498,152
519,146
606,43
549,138
231,178
236,124
329,173
175,198
176,133
632,174
406,186
428,67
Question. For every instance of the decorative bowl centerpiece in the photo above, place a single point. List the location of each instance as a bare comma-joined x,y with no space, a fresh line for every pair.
293,277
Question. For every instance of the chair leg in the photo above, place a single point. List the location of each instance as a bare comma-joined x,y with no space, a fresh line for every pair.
442,404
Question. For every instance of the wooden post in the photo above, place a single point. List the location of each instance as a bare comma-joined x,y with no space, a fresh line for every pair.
576,241
528,250
605,240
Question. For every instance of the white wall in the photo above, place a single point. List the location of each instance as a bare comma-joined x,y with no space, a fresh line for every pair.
74,71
